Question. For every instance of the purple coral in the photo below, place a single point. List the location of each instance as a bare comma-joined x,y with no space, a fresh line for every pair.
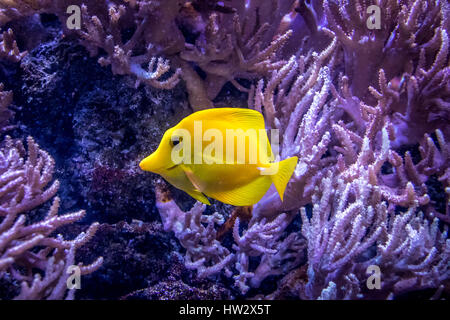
25,185
365,110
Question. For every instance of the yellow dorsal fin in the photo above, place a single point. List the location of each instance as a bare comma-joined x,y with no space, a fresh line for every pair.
246,195
282,176
237,117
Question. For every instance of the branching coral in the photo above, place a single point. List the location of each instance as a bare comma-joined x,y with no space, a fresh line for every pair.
405,28
343,145
350,219
267,240
411,253
103,26
8,47
27,245
409,51
348,103
427,90
299,83
204,252
226,51
226,44
105,33
208,256
299,112
5,113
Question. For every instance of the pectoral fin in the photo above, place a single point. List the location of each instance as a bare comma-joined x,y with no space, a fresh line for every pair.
198,185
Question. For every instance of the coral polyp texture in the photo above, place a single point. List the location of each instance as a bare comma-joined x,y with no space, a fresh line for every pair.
25,247
359,91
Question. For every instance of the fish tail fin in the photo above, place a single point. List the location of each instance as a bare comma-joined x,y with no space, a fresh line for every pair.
283,174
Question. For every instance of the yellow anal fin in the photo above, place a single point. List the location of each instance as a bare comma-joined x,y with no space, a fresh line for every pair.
246,195
282,172
197,195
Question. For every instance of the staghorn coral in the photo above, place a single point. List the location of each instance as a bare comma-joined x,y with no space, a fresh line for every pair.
299,112
350,219
242,42
229,48
105,33
348,103
208,256
8,47
204,253
27,246
6,98
410,54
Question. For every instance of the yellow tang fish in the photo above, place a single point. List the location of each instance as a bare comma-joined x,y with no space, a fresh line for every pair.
222,153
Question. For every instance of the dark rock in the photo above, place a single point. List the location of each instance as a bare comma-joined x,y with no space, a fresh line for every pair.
140,261
97,127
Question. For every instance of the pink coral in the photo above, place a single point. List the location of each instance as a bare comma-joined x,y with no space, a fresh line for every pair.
347,100
25,183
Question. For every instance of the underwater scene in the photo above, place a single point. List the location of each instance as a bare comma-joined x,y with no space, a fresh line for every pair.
224,150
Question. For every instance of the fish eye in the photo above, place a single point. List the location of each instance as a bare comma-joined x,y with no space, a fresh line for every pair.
176,140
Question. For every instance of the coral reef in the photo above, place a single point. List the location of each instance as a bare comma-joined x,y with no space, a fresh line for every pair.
153,270
99,153
349,220
365,108
95,178
24,186
356,213
8,47
5,113
225,44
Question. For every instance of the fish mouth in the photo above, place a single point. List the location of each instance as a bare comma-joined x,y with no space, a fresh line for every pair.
172,167
148,164
141,165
